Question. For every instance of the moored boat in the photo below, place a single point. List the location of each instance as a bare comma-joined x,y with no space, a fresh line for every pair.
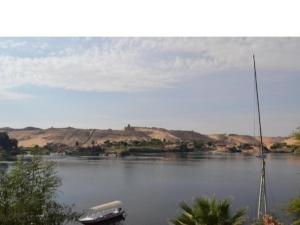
103,212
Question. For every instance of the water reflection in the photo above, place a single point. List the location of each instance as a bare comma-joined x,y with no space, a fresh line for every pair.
116,221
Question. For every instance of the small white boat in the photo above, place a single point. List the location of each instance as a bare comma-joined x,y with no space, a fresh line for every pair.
104,212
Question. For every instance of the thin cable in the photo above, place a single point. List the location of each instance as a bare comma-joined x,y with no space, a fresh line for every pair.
254,113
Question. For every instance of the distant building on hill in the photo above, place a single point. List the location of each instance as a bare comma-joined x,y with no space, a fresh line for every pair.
129,128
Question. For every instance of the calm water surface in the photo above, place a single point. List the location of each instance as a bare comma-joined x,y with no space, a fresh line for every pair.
152,186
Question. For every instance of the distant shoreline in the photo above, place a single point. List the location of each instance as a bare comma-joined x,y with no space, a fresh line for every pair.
140,139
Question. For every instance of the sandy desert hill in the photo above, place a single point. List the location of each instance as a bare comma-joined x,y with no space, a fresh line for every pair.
246,139
30,136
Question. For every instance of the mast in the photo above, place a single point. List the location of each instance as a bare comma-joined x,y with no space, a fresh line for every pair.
262,197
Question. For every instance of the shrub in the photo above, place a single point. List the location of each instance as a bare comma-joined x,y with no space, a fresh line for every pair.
28,195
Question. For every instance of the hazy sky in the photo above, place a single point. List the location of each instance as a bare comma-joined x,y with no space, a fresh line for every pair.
201,84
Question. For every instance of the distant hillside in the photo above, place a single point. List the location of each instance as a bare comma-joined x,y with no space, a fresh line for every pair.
245,139
31,136
292,141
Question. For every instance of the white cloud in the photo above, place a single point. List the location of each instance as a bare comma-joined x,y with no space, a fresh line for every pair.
133,64
6,44
11,95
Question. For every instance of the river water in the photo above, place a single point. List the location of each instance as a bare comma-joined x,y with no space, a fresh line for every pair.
152,186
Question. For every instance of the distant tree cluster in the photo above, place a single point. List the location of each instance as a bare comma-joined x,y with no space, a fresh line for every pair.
279,145
155,141
6,142
8,146
297,133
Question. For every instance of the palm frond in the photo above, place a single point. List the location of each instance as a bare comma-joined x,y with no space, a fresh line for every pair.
209,211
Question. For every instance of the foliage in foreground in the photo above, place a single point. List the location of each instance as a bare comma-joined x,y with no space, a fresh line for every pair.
28,195
269,220
209,211
293,210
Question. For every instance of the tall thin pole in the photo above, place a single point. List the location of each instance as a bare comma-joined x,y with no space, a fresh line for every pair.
262,198
258,109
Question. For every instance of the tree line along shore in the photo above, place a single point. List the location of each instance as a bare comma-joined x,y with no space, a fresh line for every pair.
133,140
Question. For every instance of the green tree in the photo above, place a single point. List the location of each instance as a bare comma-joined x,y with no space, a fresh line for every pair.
293,210
28,195
8,146
107,143
297,133
209,211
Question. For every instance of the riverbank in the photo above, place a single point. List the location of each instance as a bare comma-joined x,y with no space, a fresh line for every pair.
130,140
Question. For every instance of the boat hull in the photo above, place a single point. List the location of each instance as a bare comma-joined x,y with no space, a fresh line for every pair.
107,218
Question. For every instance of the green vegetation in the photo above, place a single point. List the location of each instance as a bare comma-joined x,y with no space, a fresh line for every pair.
151,143
86,151
293,210
37,150
28,195
246,146
7,143
297,133
155,142
199,145
124,148
278,145
8,146
209,211
297,149
282,147
210,144
107,142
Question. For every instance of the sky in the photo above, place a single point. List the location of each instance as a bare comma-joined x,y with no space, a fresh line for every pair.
200,84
